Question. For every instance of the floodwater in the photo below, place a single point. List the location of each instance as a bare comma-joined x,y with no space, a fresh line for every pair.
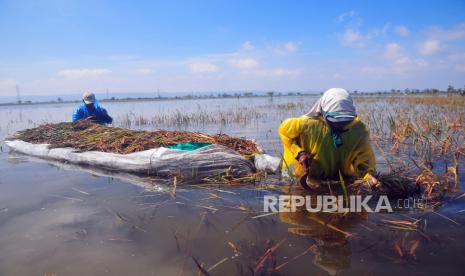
61,220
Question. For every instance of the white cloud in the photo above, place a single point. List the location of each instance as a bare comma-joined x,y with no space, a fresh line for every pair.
421,63
83,73
203,67
402,31
460,67
403,60
376,32
393,51
400,62
287,48
430,47
144,71
248,45
455,33
456,56
352,38
457,61
244,63
291,47
344,16
279,72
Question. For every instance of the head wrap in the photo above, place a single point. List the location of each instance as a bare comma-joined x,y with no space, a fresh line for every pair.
335,105
88,98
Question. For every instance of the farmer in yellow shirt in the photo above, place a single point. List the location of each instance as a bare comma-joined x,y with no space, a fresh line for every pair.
327,140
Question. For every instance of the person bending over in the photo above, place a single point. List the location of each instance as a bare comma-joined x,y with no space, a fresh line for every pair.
328,140
90,109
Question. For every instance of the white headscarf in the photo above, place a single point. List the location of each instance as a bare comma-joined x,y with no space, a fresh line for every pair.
336,101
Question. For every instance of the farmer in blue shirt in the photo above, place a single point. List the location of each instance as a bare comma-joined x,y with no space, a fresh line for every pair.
90,109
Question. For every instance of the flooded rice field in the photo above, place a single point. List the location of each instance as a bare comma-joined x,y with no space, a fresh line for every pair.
59,219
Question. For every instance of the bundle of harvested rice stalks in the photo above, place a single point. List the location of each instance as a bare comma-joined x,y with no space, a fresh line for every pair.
434,185
397,186
394,186
85,135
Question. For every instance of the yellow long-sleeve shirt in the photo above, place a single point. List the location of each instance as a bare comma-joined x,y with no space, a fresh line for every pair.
354,158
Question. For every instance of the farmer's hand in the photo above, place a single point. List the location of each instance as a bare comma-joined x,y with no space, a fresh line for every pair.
92,118
371,180
304,159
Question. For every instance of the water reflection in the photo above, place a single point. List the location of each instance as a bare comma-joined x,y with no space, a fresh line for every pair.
331,231
147,182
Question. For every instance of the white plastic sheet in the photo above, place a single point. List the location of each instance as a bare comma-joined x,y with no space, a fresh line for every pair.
268,163
161,162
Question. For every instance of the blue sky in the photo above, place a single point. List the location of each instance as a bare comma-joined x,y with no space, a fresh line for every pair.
64,47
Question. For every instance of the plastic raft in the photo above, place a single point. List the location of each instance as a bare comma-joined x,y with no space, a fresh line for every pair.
207,161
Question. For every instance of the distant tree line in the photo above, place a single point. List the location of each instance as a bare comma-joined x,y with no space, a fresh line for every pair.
450,90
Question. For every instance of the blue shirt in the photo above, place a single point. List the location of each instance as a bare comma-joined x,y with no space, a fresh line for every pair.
98,112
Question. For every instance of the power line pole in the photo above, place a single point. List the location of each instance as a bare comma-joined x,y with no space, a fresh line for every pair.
18,96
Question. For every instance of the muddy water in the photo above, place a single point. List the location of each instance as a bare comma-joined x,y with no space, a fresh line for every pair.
70,222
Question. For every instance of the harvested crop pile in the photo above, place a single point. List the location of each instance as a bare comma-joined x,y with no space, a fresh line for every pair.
87,136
